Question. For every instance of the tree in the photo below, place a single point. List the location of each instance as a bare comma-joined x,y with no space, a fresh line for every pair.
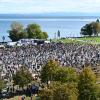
48,71
65,74
87,30
65,92
46,94
58,33
97,21
59,91
34,31
2,82
3,38
87,85
97,26
17,32
22,77
2,85
45,35
90,29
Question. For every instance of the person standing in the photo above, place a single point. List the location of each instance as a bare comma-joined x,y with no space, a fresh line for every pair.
19,97
23,97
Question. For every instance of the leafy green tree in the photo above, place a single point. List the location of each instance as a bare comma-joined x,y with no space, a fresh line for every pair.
34,31
2,82
87,85
59,91
46,94
2,85
87,30
48,71
22,77
45,35
65,92
16,26
65,74
91,29
97,26
17,32
94,28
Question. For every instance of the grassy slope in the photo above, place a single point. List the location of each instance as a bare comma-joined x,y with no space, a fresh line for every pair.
67,40
93,40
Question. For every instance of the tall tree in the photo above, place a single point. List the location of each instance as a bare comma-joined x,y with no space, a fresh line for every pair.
87,85
3,39
2,84
64,75
97,26
59,91
87,30
17,32
65,92
91,29
58,33
45,35
34,31
48,71
46,94
22,77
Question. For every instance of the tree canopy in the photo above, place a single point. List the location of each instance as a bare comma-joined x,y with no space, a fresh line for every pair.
2,85
66,84
48,71
87,85
65,74
52,71
59,91
58,33
65,92
91,29
22,77
17,32
33,31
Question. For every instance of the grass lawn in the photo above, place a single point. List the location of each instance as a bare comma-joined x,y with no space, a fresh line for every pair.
67,40
92,40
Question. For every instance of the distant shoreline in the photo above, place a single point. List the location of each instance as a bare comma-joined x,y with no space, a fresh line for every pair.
6,16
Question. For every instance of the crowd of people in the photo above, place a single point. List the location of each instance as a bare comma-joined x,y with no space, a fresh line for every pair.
74,55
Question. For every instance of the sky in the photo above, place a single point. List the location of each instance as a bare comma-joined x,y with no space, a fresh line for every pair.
49,6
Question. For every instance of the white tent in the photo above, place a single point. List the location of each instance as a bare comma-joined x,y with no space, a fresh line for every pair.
12,44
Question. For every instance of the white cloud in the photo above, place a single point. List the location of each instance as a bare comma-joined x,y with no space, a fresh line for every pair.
36,6
15,1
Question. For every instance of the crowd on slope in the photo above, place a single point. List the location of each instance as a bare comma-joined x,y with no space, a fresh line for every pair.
35,56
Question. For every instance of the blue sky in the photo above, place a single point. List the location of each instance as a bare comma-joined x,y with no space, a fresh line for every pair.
48,6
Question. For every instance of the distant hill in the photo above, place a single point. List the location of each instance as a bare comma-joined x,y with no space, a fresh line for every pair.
51,15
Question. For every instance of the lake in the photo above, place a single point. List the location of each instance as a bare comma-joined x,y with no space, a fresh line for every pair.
68,26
